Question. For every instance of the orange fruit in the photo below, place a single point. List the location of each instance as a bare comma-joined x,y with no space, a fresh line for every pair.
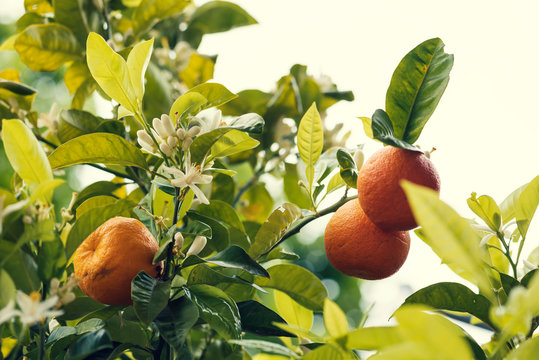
380,193
110,257
357,247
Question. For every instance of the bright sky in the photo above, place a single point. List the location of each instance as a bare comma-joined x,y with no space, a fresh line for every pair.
485,127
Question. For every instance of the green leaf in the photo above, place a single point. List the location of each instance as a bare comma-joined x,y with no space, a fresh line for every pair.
51,260
46,47
449,235
217,309
102,148
137,63
74,123
273,229
222,211
266,346
298,283
258,319
202,144
110,71
176,320
149,12
509,204
80,16
292,312
98,188
150,296
17,87
203,274
251,123
295,193
373,338
231,143
20,266
219,16
231,257
310,140
527,350
195,227
527,205
382,130
336,182
452,297
416,87
92,219
220,235
325,352
348,168
25,154
215,94
334,319
89,344
486,208
89,326
190,103
8,288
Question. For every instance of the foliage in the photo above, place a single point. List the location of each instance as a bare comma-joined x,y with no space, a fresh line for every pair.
228,289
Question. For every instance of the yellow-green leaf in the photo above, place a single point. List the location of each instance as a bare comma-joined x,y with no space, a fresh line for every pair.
326,352
44,190
75,75
110,71
527,350
188,103
486,208
335,182
232,142
310,140
9,43
46,47
40,7
292,312
527,205
367,126
137,63
150,12
198,71
449,235
334,319
25,154
373,338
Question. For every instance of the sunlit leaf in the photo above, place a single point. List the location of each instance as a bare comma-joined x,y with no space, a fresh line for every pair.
336,182
216,94
325,352
46,47
310,140
298,283
449,235
486,208
527,350
137,63
219,16
292,312
110,71
295,193
190,103
334,319
198,71
8,288
509,204
232,143
97,148
150,12
25,154
41,7
527,205
373,338
273,229
416,87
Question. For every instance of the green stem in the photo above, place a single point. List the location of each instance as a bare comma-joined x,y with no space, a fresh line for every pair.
296,228
507,253
178,200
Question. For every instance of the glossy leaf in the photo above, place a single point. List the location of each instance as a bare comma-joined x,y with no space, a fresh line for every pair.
222,211
373,338
17,87
46,47
176,320
217,309
452,297
273,229
334,319
348,169
150,12
137,63
215,94
93,218
266,346
258,319
198,71
110,71
231,257
219,16
381,129
89,344
486,208
97,148
203,274
310,140
292,312
449,235
232,143
195,227
150,296
416,87
25,154
336,182
220,234
190,103
298,283
251,123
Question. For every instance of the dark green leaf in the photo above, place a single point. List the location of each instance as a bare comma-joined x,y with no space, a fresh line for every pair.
382,129
453,297
176,320
217,309
79,307
508,282
298,283
220,236
219,16
527,278
51,260
17,87
89,326
258,319
89,344
97,148
203,274
266,346
162,253
195,227
416,87
81,16
73,123
346,161
150,296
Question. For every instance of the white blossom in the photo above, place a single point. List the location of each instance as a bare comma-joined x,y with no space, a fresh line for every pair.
8,312
33,309
197,246
64,292
146,142
190,178
208,120
50,120
359,157
164,127
178,240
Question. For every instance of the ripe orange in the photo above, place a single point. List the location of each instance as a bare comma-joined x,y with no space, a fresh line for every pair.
357,247
378,185
111,256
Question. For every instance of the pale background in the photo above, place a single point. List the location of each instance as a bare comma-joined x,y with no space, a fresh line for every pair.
485,127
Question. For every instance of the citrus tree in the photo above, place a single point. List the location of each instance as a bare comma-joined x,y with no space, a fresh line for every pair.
182,254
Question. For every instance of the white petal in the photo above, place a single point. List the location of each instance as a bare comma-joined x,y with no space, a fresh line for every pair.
144,136
199,194
177,173
167,123
196,247
203,179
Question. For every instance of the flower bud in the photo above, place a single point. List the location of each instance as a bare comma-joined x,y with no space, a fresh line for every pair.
178,240
186,143
27,219
167,124
359,158
196,247
172,141
160,128
194,131
167,150
181,134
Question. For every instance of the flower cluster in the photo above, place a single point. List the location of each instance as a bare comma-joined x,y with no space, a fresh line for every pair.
32,309
64,292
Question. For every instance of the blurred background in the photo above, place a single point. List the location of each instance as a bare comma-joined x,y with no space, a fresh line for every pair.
484,129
